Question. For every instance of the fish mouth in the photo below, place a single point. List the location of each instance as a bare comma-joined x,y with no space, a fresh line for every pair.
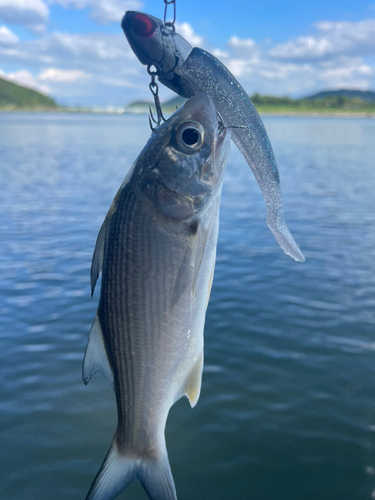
139,24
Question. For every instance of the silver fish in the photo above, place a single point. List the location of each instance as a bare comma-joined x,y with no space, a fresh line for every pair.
186,71
156,250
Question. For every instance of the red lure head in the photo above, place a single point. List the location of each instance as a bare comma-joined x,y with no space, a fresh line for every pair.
154,43
143,25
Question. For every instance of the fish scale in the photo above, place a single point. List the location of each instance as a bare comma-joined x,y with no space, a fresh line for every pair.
125,302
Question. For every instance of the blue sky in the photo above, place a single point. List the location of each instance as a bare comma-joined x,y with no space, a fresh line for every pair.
75,50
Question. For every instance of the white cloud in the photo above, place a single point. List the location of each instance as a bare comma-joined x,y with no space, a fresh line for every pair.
67,62
243,56
304,46
186,31
259,70
32,14
239,43
352,73
71,51
220,54
61,75
7,37
335,38
26,79
100,69
239,67
102,11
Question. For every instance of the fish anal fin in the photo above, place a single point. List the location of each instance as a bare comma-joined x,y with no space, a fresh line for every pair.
96,359
193,382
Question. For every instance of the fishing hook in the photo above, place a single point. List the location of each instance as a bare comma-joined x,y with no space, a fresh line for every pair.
153,86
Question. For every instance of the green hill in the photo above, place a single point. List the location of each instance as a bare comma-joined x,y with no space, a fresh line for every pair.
143,106
363,95
333,101
13,96
175,101
139,107
343,102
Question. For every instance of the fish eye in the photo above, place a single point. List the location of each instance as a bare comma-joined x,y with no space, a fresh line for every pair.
190,137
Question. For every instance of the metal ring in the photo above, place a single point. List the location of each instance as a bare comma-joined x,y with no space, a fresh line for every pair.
170,25
153,86
150,72
169,2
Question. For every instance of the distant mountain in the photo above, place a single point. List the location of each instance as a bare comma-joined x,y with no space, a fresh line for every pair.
13,96
364,95
175,101
143,106
139,107
331,101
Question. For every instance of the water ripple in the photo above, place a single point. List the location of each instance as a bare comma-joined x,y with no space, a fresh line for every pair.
287,405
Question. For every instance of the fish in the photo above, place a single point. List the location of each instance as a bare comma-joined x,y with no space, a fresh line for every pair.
186,71
156,252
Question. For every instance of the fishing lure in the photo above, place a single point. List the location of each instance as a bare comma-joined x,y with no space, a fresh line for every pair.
186,71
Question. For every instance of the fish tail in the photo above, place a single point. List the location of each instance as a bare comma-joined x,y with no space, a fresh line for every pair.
156,478
120,469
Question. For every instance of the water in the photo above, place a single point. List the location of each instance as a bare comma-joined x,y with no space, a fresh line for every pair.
287,409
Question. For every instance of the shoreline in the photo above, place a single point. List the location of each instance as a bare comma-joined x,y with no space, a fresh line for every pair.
266,112
328,114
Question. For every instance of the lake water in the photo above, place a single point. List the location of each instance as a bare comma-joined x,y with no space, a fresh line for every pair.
287,409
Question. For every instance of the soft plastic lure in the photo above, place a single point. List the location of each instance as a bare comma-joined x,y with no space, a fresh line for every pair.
187,71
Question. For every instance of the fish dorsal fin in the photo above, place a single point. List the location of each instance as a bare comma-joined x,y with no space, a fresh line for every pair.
192,387
96,359
97,258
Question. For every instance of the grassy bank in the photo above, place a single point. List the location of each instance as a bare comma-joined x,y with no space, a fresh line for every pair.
14,97
327,106
266,105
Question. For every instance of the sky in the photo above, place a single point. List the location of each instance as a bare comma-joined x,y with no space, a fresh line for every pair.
76,52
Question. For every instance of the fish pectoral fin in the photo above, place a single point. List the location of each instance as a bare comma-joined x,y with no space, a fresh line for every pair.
201,236
193,257
97,258
192,387
181,283
96,359
210,281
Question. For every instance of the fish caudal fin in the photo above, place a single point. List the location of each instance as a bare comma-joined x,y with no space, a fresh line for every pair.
156,478
120,469
113,477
